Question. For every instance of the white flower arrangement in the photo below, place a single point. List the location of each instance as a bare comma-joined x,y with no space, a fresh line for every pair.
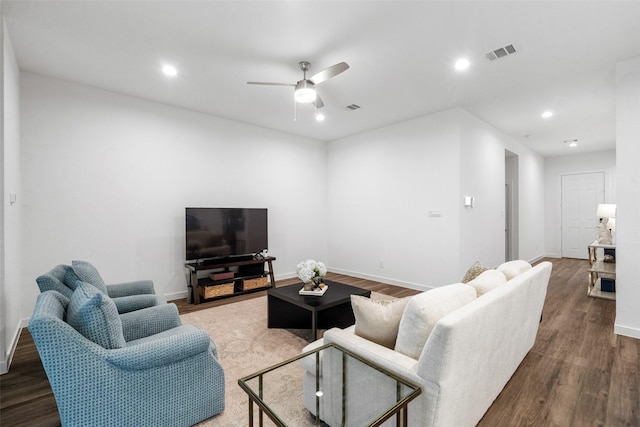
307,270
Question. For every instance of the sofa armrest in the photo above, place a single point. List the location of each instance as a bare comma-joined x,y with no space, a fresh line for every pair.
309,362
149,321
366,390
138,287
371,351
189,342
137,302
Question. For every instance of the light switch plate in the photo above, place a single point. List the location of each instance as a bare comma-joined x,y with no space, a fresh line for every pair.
468,201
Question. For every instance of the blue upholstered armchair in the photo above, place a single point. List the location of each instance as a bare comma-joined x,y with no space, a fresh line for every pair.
128,296
142,368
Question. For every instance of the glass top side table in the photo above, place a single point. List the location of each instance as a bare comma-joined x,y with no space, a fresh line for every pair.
278,391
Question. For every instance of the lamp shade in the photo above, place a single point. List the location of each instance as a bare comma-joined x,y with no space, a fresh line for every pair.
606,210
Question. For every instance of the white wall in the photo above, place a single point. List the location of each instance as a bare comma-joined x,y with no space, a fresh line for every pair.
107,178
10,214
628,204
555,167
383,184
482,171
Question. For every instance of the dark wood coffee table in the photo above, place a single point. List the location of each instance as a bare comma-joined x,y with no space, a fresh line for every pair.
288,309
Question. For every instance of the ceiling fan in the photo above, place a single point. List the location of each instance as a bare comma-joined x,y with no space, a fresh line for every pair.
305,89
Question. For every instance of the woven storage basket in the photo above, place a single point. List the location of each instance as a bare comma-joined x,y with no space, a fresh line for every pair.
216,290
258,282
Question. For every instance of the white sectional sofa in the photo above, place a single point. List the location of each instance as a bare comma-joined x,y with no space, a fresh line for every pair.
469,355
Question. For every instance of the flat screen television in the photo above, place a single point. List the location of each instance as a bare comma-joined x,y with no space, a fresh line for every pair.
218,234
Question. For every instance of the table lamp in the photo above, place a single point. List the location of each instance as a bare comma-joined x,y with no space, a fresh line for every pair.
606,212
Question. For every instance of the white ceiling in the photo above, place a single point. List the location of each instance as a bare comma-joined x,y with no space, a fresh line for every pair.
401,55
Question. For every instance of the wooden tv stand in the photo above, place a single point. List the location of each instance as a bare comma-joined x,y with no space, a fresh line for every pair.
235,284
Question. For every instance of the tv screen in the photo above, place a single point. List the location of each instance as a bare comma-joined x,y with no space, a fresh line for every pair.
219,233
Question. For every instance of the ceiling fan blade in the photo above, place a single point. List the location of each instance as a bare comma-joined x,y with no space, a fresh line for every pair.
330,72
318,102
271,84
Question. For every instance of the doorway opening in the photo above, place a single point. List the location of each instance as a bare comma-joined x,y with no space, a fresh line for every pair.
511,206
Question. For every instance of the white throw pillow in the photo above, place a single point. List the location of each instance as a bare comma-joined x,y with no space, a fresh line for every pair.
514,268
487,281
423,312
378,320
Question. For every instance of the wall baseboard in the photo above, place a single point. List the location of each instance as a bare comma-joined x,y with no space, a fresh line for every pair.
5,364
537,258
552,255
626,331
386,280
176,295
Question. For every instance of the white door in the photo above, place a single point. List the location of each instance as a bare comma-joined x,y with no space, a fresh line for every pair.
581,194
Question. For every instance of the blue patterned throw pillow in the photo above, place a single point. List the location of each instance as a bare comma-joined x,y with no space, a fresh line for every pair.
87,273
95,316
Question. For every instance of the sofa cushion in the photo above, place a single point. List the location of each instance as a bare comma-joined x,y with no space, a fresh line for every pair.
87,273
487,281
424,311
378,320
514,268
474,271
94,315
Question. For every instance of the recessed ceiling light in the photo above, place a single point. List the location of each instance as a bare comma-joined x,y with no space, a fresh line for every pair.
547,114
462,64
571,142
320,117
169,70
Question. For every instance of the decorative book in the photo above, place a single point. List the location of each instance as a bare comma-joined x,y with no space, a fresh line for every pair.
222,275
316,292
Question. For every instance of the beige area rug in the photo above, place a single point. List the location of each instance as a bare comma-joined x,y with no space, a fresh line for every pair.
245,345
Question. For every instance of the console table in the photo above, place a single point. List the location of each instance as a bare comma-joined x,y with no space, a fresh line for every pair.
600,270
248,270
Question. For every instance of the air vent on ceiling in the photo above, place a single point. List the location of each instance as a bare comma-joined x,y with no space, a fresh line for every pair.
501,53
352,107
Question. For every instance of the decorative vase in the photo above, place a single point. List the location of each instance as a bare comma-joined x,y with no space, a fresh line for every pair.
309,286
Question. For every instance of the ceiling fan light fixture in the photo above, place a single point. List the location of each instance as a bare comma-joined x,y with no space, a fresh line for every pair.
305,92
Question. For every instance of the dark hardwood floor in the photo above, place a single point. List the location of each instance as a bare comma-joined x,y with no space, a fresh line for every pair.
579,373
